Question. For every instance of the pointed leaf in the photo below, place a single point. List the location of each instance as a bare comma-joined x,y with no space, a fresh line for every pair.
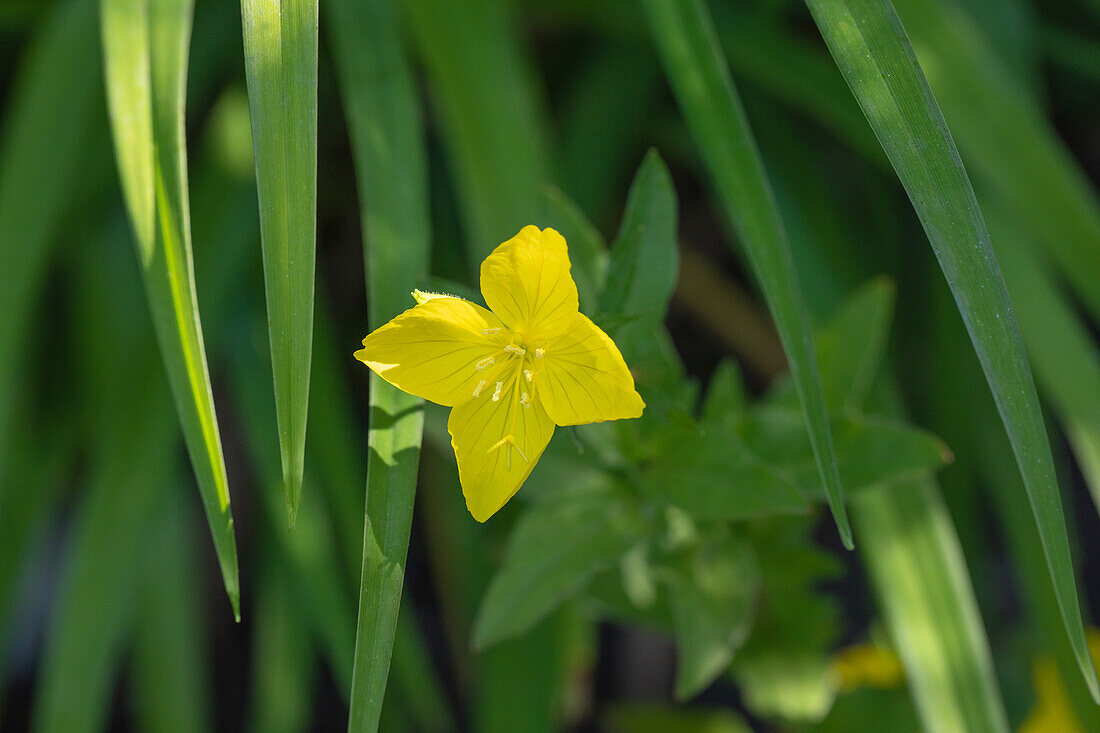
280,51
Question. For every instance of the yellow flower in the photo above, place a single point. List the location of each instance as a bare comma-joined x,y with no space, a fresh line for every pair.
511,373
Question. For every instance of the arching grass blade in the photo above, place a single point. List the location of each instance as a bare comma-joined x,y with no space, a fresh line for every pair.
145,54
871,48
701,80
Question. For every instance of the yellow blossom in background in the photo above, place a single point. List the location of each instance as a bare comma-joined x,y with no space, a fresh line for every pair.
867,665
511,373
1053,712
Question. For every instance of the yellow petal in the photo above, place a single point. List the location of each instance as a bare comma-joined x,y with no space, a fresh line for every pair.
440,350
526,282
497,437
582,378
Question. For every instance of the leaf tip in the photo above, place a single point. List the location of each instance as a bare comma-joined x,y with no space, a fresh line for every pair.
293,500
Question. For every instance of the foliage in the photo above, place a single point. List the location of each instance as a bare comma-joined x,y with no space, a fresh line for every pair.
191,193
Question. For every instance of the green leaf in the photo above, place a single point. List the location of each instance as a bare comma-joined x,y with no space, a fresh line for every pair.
713,599
784,667
712,474
645,257
145,57
870,47
642,274
49,121
870,450
725,393
709,103
558,545
762,463
391,172
851,347
280,51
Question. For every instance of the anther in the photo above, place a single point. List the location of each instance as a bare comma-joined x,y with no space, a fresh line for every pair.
487,361
539,353
496,392
487,331
513,349
528,375
525,399
477,389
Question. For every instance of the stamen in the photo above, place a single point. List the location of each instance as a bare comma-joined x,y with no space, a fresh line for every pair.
528,375
496,392
539,353
487,361
513,349
487,331
508,443
477,389
525,399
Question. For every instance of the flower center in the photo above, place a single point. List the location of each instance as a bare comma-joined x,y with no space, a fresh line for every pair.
518,362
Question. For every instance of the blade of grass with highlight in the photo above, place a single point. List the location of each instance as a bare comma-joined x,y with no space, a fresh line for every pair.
701,81
48,116
280,50
145,53
391,172
870,47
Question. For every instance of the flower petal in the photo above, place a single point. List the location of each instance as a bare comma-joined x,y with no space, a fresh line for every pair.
584,379
526,282
497,443
435,350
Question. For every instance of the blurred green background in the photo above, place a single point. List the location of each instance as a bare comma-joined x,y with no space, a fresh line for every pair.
680,572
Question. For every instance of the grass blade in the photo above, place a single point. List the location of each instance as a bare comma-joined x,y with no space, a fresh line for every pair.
391,170
1006,140
1063,352
48,115
280,49
870,47
145,54
709,102
919,574
918,571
